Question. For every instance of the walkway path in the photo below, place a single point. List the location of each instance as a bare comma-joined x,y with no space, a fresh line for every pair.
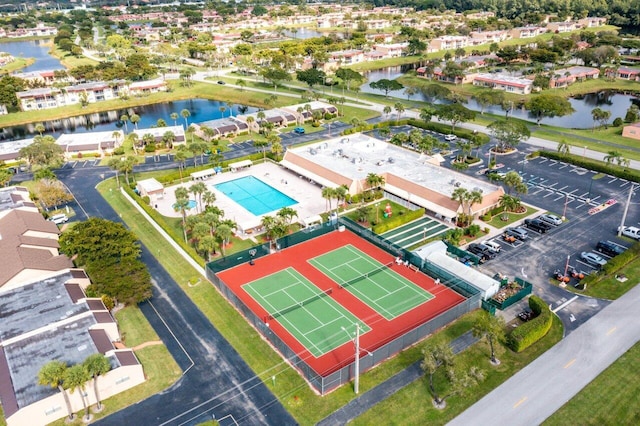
388,388
545,385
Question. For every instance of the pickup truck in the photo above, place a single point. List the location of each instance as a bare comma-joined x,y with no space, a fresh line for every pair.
630,231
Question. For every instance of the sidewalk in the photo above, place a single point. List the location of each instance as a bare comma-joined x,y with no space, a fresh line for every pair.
389,387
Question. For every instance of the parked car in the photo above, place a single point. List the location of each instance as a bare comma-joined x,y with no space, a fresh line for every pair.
630,231
551,219
221,82
493,246
495,173
593,259
519,232
299,130
537,225
609,248
59,218
482,251
526,315
450,137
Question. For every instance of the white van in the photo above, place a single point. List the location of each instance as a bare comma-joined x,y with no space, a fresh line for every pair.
59,218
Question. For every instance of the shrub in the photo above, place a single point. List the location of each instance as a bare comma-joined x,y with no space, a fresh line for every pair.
146,199
618,122
445,129
598,166
487,217
530,332
328,116
150,147
118,151
472,230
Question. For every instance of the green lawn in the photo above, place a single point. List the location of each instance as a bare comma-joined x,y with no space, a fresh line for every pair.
612,398
18,64
497,221
159,366
412,404
609,287
68,60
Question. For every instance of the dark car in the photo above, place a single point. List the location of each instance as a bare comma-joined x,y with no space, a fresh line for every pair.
221,82
609,248
482,251
537,225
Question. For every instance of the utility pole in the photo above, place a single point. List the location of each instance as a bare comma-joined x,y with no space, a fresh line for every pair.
626,209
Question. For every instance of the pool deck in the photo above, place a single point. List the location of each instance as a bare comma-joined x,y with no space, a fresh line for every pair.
308,195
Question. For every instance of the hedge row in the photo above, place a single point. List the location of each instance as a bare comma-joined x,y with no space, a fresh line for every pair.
596,165
615,264
530,332
483,138
173,176
398,220
159,219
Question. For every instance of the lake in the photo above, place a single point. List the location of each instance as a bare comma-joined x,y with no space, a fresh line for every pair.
200,109
616,103
302,33
37,49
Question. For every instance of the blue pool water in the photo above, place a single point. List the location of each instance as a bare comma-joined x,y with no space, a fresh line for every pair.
254,195
192,205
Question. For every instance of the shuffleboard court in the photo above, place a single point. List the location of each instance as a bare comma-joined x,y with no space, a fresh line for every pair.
316,320
376,284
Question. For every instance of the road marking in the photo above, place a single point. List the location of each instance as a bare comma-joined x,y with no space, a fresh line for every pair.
520,402
565,304
550,193
572,318
613,180
560,197
611,331
560,189
563,166
569,364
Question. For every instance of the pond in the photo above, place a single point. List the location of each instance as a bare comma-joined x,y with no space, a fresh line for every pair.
200,110
616,103
302,33
37,49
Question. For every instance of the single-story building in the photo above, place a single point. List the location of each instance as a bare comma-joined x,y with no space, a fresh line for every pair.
90,143
239,165
10,150
504,82
631,131
158,134
150,188
567,76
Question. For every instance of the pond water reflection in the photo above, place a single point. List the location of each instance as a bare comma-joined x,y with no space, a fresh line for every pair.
37,49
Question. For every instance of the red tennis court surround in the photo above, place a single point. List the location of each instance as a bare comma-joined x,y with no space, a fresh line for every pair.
382,330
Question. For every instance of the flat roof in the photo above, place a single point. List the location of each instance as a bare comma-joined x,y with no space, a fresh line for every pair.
93,138
356,156
13,147
150,185
37,305
158,132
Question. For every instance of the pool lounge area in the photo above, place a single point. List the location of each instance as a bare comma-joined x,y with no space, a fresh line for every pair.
305,196
254,195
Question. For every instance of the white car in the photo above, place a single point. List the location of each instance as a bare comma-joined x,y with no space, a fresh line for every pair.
551,219
630,231
450,137
493,246
593,259
59,219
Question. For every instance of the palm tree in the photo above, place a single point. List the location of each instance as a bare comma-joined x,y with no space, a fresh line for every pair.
261,116
97,365
327,194
224,233
134,138
460,195
182,205
287,214
426,114
611,157
250,120
277,149
508,203
125,118
387,110
207,244
39,128
222,109
185,114
474,197
198,189
564,148
399,109
126,166
340,195
53,374
491,327
374,181
76,377
208,198
174,116
135,118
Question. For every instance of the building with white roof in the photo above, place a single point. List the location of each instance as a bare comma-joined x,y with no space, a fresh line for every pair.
159,132
10,150
407,174
90,143
504,82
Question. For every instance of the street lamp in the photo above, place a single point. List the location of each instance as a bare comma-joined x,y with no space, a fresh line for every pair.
356,366
589,194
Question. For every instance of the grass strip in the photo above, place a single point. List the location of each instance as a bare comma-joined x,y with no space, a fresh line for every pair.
612,398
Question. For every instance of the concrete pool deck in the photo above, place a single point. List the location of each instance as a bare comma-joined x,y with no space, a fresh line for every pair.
307,194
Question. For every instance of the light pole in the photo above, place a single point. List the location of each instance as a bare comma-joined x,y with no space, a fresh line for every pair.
589,194
584,152
356,364
626,209
566,201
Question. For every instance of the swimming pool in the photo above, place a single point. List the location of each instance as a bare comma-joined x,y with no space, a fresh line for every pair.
191,205
254,195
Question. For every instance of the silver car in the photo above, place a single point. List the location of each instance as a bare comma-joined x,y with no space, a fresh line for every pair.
593,259
551,219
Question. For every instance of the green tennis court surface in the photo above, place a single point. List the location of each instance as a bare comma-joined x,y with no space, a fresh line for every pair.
377,285
412,233
308,313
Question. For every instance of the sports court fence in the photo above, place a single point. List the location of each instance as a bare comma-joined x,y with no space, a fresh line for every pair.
324,382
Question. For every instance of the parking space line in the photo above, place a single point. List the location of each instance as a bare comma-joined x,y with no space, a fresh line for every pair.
544,160
624,184
559,198
560,189
613,180
75,163
553,163
563,166
550,193
554,184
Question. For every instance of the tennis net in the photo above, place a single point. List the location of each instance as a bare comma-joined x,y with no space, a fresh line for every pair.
365,276
299,305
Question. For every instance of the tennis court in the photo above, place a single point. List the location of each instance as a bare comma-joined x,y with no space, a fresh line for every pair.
414,232
375,283
313,318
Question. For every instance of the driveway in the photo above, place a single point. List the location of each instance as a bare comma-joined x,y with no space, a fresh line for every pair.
216,381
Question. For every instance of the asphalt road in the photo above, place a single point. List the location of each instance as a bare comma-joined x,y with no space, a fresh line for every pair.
545,385
215,381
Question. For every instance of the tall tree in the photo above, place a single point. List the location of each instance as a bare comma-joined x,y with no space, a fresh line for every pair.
454,113
43,152
75,378
96,365
509,133
386,86
53,374
548,106
185,113
492,328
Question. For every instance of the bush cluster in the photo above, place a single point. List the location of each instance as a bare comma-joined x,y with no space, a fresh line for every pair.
614,264
398,220
446,129
596,165
530,332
